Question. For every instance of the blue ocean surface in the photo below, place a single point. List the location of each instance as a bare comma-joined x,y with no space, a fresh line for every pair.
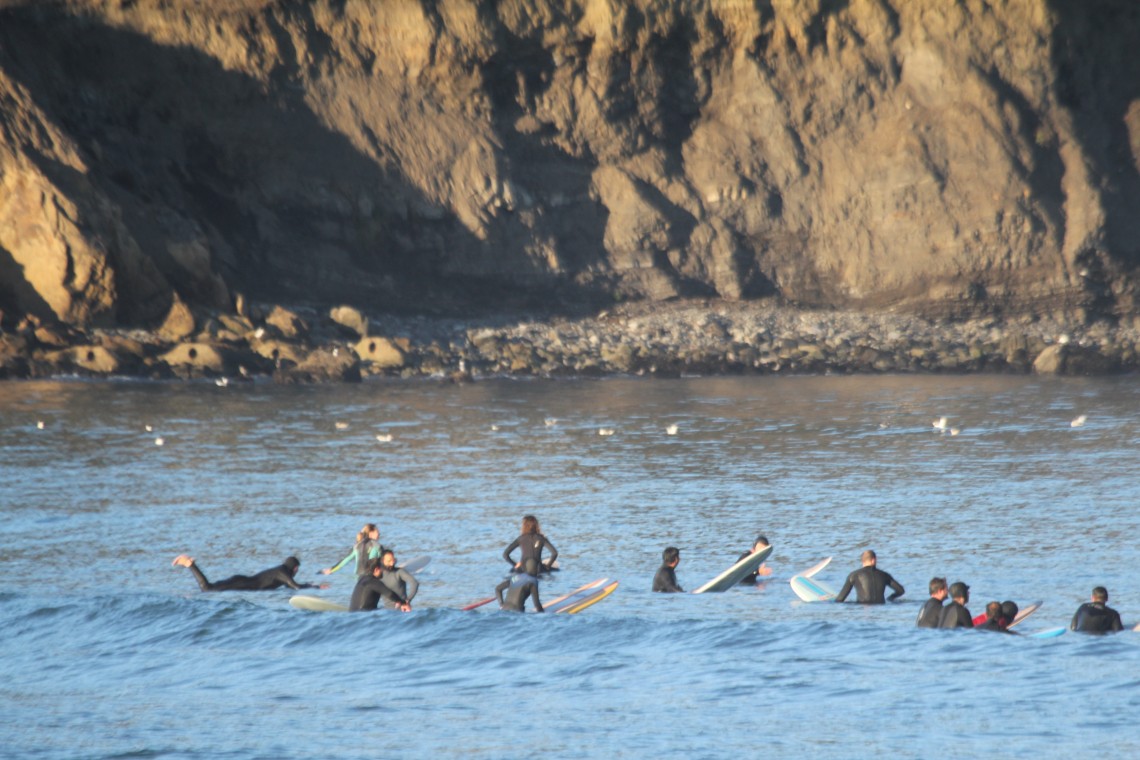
110,652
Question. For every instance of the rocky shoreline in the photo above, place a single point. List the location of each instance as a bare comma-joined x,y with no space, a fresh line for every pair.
305,345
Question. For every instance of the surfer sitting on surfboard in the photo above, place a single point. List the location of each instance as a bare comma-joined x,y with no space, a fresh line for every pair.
666,578
752,578
531,543
274,577
870,583
522,586
367,547
370,588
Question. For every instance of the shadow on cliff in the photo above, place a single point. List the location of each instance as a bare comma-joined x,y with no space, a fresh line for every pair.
1097,75
17,297
190,151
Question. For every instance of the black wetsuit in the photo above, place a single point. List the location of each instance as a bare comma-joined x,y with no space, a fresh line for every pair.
522,587
752,578
274,577
369,589
870,585
1096,617
531,545
666,580
992,624
955,615
930,614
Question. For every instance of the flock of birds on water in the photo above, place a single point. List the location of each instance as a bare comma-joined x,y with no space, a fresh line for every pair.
942,425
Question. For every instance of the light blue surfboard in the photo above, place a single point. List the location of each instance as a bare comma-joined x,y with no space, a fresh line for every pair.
1048,633
811,590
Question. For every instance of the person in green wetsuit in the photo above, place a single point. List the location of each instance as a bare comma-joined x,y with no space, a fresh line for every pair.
367,547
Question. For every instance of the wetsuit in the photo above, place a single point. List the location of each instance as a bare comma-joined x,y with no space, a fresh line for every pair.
274,577
870,585
402,583
1096,617
992,624
752,578
360,554
522,587
531,545
955,615
666,580
368,592
930,614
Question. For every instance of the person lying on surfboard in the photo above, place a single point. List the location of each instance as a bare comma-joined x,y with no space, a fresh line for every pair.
531,542
522,586
870,583
666,578
274,577
370,589
399,580
751,579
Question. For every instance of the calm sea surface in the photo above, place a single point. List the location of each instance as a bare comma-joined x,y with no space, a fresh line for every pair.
108,651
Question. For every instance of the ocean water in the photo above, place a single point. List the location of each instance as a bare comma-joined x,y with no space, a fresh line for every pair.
109,652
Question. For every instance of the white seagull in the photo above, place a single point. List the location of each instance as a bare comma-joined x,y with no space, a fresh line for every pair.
384,437
671,430
1078,421
605,431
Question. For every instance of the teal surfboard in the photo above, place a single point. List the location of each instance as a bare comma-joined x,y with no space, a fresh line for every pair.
811,590
736,573
1048,633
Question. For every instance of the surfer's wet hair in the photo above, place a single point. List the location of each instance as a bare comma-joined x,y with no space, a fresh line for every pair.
1100,594
936,585
670,554
530,524
371,565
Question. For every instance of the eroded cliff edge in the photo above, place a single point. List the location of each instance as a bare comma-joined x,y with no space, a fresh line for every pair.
943,159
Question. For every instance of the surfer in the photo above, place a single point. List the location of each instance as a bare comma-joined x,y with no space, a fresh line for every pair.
931,611
870,583
274,577
666,578
522,586
993,619
531,542
1009,612
760,544
367,547
370,588
1096,616
955,614
399,580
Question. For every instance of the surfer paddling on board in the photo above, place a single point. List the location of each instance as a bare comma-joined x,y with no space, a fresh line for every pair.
666,578
931,612
751,579
1096,616
522,586
531,543
1003,619
870,583
370,589
402,583
274,577
367,547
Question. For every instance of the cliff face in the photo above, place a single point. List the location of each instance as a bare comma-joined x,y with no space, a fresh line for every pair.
947,158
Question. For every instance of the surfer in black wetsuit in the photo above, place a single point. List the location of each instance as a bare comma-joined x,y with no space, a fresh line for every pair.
763,570
403,583
955,614
666,578
1096,616
931,612
531,542
370,588
274,577
993,621
870,583
522,586
1009,612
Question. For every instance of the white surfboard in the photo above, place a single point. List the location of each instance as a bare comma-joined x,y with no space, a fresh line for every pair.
811,590
582,597
736,573
415,564
814,569
316,604
1024,613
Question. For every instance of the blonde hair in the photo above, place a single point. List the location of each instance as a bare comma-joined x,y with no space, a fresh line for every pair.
366,532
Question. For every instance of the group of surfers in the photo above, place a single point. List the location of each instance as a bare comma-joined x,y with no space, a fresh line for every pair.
380,579
870,584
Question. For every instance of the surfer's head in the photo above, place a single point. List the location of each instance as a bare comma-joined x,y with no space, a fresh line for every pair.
938,586
959,590
373,567
368,531
388,559
671,556
760,542
1009,611
291,564
1100,594
869,558
530,524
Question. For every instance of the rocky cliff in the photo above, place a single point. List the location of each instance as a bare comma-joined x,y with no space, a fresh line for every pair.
946,158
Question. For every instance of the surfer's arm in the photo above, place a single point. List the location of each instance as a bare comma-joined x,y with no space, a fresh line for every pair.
350,558
501,588
898,589
412,584
507,552
843,592
553,551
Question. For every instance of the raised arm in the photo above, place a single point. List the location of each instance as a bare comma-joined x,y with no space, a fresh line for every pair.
350,558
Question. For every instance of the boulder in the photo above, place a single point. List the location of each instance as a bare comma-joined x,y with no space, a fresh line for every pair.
323,365
179,322
91,359
287,323
381,352
1069,359
350,319
198,360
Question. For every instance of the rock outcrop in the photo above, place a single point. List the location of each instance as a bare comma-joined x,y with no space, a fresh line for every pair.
946,159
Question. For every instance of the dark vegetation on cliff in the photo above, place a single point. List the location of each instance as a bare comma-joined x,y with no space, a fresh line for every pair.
949,159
